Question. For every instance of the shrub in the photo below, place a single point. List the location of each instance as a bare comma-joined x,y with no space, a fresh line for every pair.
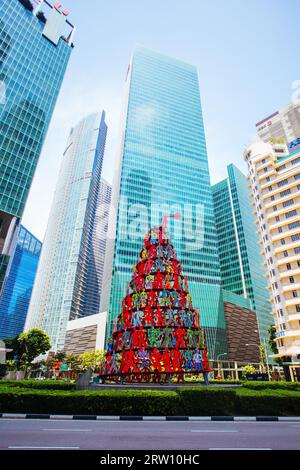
112,402
38,384
27,4
267,402
200,401
207,401
271,385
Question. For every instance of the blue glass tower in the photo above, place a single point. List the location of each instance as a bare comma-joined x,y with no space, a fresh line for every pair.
33,61
242,269
69,278
17,290
163,170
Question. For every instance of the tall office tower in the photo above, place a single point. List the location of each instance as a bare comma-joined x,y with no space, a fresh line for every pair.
163,170
17,290
69,278
283,124
33,61
242,269
275,181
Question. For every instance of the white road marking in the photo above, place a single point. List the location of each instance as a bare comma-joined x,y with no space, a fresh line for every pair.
68,430
240,448
42,447
214,430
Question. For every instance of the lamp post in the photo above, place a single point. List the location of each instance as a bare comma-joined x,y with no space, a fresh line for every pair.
266,354
218,361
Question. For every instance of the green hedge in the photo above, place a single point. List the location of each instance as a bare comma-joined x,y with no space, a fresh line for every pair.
267,402
207,401
271,385
195,401
110,402
39,384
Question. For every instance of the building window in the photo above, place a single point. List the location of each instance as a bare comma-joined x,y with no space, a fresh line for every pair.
288,203
277,218
285,193
292,280
285,254
297,177
295,293
288,266
274,208
282,241
294,225
295,237
270,188
279,229
297,308
282,183
290,214
297,250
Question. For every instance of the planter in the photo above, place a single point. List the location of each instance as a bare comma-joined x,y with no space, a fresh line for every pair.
11,375
20,374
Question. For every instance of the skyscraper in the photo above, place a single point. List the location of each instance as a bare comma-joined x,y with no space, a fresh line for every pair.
33,61
69,278
242,269
17,290
274,176
163,170
282,124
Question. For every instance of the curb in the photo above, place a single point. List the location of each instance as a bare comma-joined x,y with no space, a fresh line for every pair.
150,418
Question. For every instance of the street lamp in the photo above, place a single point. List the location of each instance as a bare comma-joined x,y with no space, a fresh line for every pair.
266,354
218,361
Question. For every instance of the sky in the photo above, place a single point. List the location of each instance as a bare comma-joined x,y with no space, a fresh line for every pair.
246,54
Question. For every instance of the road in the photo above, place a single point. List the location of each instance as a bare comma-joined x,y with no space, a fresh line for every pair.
147,435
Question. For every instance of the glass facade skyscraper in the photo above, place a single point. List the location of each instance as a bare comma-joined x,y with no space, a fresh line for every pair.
32,69
17,290
162,170
69,278
242,269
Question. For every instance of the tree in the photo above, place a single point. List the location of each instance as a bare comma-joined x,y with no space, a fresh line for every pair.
158,335
249,369
262,355
14,345
41,16
91,360
273,344
32,343
73,362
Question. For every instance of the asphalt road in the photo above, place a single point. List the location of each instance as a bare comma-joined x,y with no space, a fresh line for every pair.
147,435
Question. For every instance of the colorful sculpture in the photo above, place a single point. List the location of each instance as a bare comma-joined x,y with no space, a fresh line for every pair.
158,334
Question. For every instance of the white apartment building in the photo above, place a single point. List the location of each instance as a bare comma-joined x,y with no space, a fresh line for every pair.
282,124
274,177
